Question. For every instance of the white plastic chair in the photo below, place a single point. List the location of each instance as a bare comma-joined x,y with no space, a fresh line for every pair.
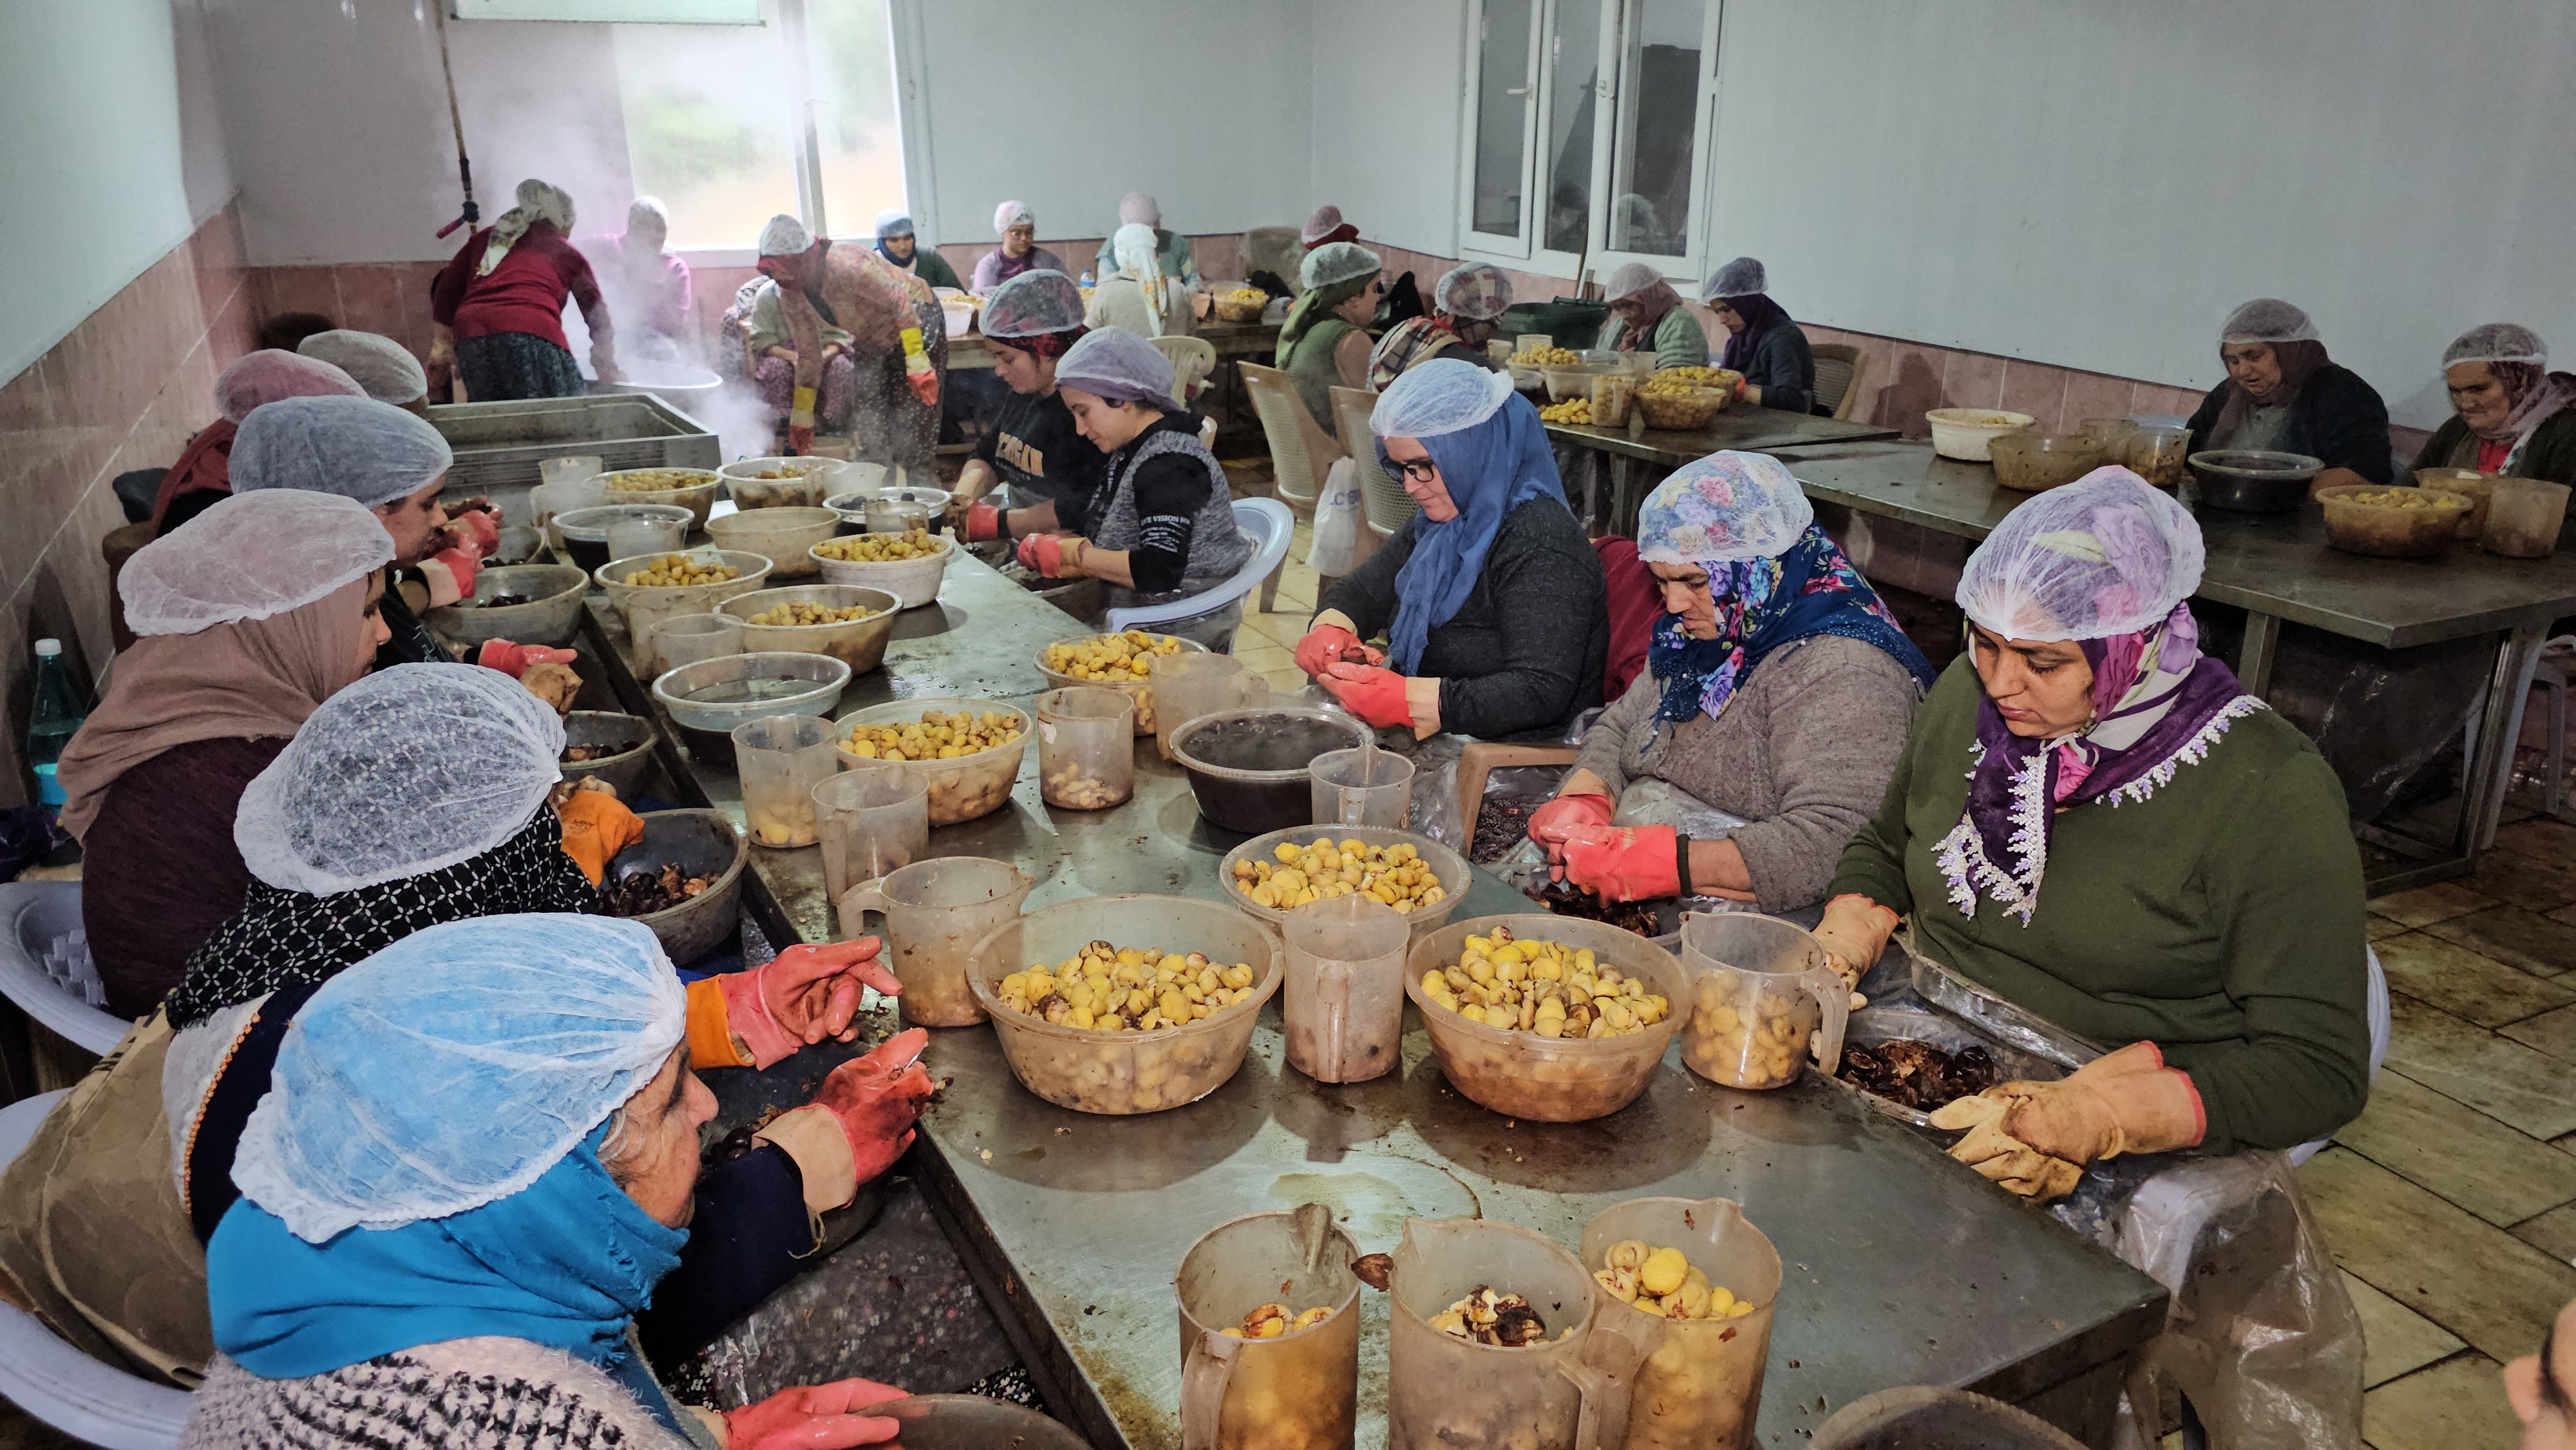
1193,362
1269,525
33,915
45,1376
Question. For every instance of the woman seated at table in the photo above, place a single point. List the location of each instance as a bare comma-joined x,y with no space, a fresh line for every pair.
1324,344
1019,252
2094,820
1491,597
1466,306
1031,451
383,367
2510,413
1160,527
2283,394
202,475
1763,341
1140,296
902,249
1647,315
1172,255
1778,689
475,1167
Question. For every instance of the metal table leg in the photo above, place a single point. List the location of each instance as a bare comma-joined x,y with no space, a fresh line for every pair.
2254,658
2499,729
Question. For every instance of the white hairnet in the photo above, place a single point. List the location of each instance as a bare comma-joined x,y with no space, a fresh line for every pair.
1440,396
257,379
1336,262
2105,555
1033,303
1629,280
1118,365
1476,291
355,447
408,770
1013,214
251,556
1742,277
2266,319
893,224
785,236
649,209
1326,221
1138,209
453,1068
2498,342
382,366
1722,508
1133,248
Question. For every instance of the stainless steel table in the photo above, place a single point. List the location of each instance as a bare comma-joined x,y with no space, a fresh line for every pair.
1637,462
1903,1267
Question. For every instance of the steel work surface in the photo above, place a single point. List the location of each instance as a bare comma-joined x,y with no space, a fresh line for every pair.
1902,1267
1745,429
2276,564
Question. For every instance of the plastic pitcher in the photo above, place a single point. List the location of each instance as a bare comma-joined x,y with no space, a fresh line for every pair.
2524,516
1443,1391
1086,747
1300,1388
1189,685
1759,989
1344,995
779,761
935,912
1682,1384
685,639
1362,787
870,822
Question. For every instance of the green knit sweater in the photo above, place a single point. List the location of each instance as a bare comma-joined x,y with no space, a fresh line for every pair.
1679,340
2221,918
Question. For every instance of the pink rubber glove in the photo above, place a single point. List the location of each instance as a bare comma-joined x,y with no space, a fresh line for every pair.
450,575
878,1098
1549,824
1623,863
513,659
800,441
1329,644
983,521
1051,554
1374,694
476,530
806,994
814,1417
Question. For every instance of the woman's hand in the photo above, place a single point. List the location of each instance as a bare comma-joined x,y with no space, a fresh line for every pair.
1854,932
1376,695
1623,863
2123,1102
1329,641
814,1417
1550,824
877,1099
807,993
1055,556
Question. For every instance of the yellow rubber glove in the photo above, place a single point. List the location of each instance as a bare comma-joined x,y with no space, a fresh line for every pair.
2124,1102
1854,932
2000,1157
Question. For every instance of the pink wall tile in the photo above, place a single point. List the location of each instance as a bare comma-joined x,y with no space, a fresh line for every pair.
2037,389
2092,395
1972,380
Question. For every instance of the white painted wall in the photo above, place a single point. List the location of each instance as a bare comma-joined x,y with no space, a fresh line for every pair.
1387,83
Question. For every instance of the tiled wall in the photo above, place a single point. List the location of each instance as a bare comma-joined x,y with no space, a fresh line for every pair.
125,390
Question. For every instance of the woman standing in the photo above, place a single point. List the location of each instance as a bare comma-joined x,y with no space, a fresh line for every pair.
1325,343
2510,412
2283,393
1762,341
499,306
646,284
1019,252
1646,315
1140,297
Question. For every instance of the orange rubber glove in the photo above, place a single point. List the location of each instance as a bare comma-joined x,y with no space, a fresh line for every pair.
1370,692
449,573
878,1098
513,659
1549,824
1052,555
2123,1102
814,1417
596,826
1623,863
800,997
983,521
1329,644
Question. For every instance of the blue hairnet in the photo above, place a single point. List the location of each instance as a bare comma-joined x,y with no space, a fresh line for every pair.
355,447
1490,467
453,1068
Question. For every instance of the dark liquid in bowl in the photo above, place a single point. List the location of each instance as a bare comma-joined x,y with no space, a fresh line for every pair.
1267,742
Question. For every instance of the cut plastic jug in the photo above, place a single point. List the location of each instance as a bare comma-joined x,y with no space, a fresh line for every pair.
1362,786
1189,685
1681,1384
1086,747
779,761
935,912
685,639
1300,1388
1444,1391
571,468
2524,516
1344,997
1759,989
870,822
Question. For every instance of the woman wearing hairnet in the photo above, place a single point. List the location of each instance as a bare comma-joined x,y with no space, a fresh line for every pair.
1172,256
898,349
647,285
1325,228
475,1167
203,474
2093,820
384,368
2283,394
1647,315
1325,343
1140,296
1466,306
904,252
499,306
1031,450
1491,597
2510,413
1763,342
1019,252
1160,526
1778,690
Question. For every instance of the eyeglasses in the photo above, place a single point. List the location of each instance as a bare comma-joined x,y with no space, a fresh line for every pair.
1422,469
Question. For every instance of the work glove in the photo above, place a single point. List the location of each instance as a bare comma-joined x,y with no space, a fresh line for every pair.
800,422
1549,824
477,529
2123,1102
449,573
596,826
983,521
1622,863
1853,933
1370,692
814,1417
2000,1157
1330,644
918,374
1055,556
803,995
513,659
555,684
877,1098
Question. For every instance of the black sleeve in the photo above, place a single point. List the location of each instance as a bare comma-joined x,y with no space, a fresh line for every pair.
1788,370
1367,594
1548,599
1170,491
2348,425
2205,417
745,1243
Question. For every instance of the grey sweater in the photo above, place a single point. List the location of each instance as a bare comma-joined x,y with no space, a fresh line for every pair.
504,1394
1803,751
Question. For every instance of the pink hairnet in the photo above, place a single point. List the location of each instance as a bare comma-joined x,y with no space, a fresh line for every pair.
270,374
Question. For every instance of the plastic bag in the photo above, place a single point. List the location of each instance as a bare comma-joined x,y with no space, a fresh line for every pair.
1339,514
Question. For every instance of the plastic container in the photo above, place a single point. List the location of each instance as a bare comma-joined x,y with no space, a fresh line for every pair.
60,708
1552,1080
1928,1417
1610,394
972,1422
629,739
2524,516
858,643
708,699
643,604
1361,787
1343,1001
2390,532
1759,988
1443,1391
779,761
1247,768
2031,462
2161,455
697,496
1141,691
1298,1389
1455,875
914,582
2253,481
1566,382
571,468
632,536
1086,747
1682,1384
703,842
869,822
685,639
936,912
786,533
1686,411
963,789
581,535
1191,684
1126,1072
2115,436
796,482
552,615
1966,433
2478,488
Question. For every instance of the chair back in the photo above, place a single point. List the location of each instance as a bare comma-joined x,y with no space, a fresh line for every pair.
1388,505
1192,358
1839,368
44,973
1300,452
1268,524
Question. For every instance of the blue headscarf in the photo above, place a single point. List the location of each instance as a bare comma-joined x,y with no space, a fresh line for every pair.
1491,468
1764,604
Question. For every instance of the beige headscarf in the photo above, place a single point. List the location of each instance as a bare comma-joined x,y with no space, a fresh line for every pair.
538,201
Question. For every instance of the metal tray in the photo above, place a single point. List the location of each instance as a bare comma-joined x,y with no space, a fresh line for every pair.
1938,1006
498,445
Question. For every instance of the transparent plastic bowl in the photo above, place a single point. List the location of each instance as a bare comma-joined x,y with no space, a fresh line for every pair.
1126,1072
582,534
860,643
708,699
1553,1080
1142,691
962,789
805,483
1452,869
913,581
697,497
646,604
786,534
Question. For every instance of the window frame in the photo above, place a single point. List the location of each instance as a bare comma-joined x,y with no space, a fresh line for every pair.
1490,246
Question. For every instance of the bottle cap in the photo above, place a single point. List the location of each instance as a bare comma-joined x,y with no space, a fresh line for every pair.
48,648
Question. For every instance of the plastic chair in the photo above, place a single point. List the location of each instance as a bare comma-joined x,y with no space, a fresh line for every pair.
33,916
1839,369
1268,524
1388,504
1193,360
1300,452
45,1376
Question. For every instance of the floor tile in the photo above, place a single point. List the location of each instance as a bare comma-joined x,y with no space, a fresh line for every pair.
2553,1233
2515,937
2396,1340
2464,983
2540,836
2384,927
2550,1032
2427,904
2502,1079
2539,883
1263,658
1286,682
2468,1276
2470,1159
2455,1404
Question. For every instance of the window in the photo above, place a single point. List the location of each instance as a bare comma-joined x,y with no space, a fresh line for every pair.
1503,90
639,12
858,140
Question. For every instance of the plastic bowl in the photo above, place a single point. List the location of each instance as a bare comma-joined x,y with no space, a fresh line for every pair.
962,789
697,496
1126,1072
2388,531
800,482
1451,868
1553,1080
582,534
1565,383
552,615
786,534
706,700
2254,482
2478,488
1141,691
1254,798
1682,412
645,605
702,841
860,644
913,581
633,735
1966,433
2032,462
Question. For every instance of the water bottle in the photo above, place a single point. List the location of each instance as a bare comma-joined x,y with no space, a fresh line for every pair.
58,715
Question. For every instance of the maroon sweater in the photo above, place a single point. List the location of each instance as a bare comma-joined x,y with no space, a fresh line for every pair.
524,294
159,871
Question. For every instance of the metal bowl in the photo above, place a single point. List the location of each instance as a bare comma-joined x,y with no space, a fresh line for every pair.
552,615
2253,482
702,842
972,1422
624,770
